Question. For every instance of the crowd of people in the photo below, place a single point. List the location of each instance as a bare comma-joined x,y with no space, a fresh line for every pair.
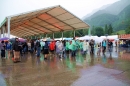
58,47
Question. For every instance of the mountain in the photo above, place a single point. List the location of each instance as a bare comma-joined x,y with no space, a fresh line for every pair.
102,19
94,11
118,16
114,9
117,7
123,19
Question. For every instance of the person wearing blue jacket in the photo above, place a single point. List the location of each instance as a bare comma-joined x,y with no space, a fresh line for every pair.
104,44
8,48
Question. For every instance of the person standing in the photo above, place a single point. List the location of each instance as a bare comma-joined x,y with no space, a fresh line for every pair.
85,46
16,50
110,45
8,48
29,46
46,50
81,46
38,47
59,48
91,46
104,44
99,49
42,45
32,46
25,47
52,47
21,48
67,46
73,48
2,47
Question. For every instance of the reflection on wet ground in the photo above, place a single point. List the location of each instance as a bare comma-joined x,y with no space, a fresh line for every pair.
83,70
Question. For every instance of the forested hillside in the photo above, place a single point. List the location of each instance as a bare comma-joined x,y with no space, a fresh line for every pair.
119,22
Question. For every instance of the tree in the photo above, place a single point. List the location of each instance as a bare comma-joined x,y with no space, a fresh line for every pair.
93,30
85,31
110,30
127,30
106,29
99,31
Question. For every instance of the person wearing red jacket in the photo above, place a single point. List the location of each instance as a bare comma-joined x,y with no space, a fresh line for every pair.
52,46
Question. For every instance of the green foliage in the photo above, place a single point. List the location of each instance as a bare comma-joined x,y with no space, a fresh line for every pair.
102,20
93,31
106,29
127,30
119,22
99,31
110,30
119,32
124,19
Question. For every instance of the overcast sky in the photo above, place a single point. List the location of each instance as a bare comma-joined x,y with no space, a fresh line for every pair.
80,8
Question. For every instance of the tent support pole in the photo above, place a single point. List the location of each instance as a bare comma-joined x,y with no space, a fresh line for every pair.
8,26
62,35
3,28
40,36
46,35
74,33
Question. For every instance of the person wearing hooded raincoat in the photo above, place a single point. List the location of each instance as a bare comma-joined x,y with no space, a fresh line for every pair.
81,46
59,48
78,44
67,46
73,48
85,46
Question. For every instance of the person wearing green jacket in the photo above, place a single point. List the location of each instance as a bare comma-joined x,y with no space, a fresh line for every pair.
81,46
78,44
67,46
73,48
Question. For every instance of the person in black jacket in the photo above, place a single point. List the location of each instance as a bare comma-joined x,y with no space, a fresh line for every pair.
2,48
110,45
38,47
91,46
32,46
16,50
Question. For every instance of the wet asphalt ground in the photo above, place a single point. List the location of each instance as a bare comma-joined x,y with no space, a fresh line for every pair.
83,70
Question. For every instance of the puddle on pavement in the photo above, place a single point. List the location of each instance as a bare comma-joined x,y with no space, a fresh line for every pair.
34,71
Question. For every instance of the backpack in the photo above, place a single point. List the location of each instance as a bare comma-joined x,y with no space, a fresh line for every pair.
8,45
38,44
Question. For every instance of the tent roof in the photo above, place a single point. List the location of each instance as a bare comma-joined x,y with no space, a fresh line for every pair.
48,20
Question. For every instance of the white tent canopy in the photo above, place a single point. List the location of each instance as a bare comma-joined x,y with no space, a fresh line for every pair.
43,21
98,39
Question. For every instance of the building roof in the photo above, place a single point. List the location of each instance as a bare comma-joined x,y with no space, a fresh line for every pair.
44,21
124,36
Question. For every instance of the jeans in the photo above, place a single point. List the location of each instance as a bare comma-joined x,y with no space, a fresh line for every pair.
38,51
110,48
104,49
24,49
32,50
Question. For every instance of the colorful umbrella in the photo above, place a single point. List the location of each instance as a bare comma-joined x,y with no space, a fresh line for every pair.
22,40
3,39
